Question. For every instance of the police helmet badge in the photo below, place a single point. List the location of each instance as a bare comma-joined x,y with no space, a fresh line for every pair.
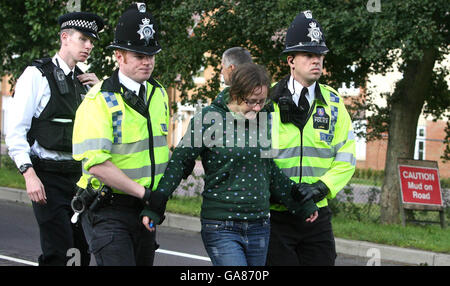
314,32
141,7
305,35
308,14
146,30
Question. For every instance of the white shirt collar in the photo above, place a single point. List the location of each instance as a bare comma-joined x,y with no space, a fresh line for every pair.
132,85
296,89
62,64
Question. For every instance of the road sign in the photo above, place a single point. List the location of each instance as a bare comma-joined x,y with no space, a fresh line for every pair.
420,185
420,188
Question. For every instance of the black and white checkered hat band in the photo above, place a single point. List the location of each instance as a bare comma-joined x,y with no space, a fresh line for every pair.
91,25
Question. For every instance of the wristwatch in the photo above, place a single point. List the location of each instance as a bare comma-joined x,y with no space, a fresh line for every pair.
23,168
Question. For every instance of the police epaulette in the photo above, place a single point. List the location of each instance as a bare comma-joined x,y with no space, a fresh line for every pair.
44,65
331,89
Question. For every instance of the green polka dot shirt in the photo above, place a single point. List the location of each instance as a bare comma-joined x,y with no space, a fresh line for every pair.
240,180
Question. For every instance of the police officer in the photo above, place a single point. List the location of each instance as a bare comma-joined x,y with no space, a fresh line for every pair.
120,136
314,143
46,97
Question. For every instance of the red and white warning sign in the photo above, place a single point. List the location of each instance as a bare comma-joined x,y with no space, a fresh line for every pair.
420,185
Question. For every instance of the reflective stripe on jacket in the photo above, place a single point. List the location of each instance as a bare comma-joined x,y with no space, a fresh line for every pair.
106,128
328,145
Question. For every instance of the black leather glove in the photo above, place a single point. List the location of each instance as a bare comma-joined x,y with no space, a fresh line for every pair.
155,201
304,192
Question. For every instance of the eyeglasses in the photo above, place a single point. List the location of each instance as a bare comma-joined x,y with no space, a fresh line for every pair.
261,103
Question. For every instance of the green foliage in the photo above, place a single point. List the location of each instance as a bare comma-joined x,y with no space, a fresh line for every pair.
194,33
27,35
7,163
446,156
9,175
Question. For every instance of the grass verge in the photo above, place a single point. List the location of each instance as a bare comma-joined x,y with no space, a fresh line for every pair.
185,205
11,178
424,237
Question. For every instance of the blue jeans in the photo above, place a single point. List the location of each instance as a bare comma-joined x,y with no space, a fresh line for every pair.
236,243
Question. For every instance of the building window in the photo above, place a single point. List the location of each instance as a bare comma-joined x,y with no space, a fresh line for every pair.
419,150
359,127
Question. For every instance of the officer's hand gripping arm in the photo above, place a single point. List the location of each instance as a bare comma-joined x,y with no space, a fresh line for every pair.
280,185
304,192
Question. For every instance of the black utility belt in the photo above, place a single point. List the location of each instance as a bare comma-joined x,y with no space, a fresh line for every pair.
124,200
60,166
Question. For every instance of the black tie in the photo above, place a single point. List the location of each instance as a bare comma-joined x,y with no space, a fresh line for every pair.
69,77
142,93
303,103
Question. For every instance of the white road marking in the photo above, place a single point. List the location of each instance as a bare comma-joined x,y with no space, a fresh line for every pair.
18,260
163,251
198,257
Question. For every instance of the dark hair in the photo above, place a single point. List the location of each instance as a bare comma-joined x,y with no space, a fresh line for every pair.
246,78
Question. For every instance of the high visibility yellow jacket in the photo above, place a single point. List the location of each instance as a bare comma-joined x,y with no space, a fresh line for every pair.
106,128
327,150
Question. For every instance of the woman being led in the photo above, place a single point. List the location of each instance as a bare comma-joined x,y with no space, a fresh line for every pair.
239,181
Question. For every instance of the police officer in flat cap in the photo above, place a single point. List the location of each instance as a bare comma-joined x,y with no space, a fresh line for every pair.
120,136
39,139
312,120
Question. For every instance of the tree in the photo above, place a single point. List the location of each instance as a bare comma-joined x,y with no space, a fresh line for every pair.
412,33
194,33
415,34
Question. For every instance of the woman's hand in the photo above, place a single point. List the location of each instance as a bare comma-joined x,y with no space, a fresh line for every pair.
149,224
313,217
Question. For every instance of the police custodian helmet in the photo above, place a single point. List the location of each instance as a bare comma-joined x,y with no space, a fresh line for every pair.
85,22
136,31
305,35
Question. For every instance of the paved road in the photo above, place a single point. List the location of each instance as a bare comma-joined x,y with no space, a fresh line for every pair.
19,239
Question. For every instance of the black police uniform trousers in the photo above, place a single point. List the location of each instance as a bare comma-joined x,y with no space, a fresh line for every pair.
116,235
62,242
294,242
